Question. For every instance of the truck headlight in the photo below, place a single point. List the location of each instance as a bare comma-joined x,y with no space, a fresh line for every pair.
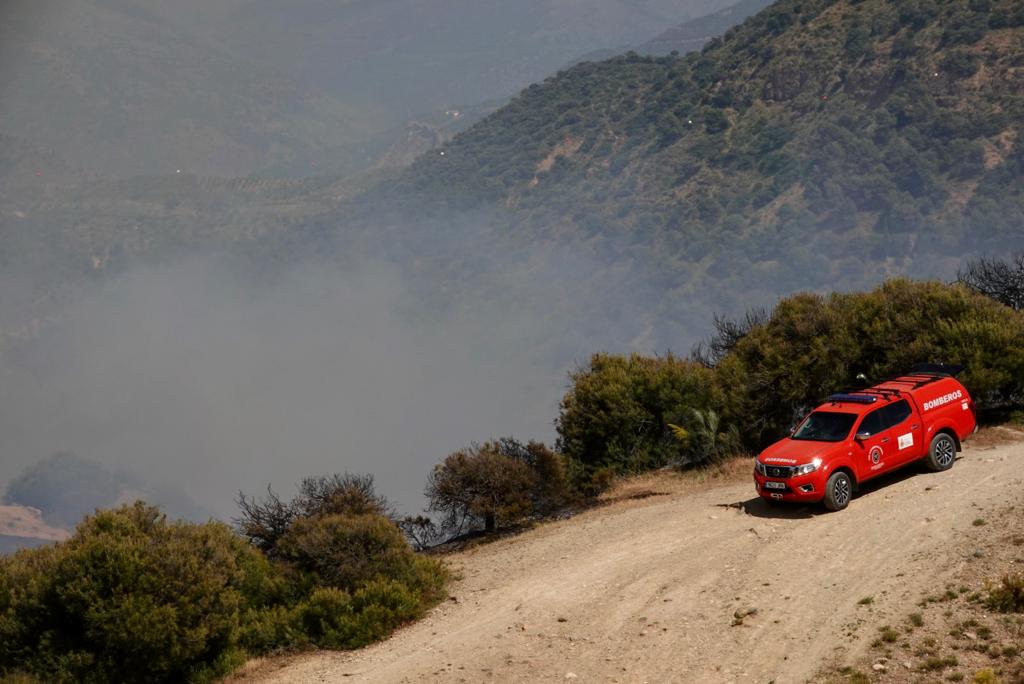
759,468
807,467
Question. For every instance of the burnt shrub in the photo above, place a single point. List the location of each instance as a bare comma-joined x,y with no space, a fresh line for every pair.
264,521
999,279
551,489
334,544
480,483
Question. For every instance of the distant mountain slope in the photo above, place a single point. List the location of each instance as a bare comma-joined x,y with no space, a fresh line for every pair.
693,34
118,91
24,164
688,36
22,527
407,57
820,144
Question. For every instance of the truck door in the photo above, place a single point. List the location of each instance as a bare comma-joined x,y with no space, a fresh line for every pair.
874,447
905,431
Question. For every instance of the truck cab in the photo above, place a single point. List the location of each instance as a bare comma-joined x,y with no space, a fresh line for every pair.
854,436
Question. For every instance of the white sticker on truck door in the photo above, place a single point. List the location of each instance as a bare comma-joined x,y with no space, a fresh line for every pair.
906,440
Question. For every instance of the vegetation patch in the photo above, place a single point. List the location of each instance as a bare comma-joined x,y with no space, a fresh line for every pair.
629,414
135,597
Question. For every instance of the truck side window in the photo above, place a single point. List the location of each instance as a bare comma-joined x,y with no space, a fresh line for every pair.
872,423
895,413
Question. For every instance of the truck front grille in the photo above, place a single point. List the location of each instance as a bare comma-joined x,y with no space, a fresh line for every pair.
779,471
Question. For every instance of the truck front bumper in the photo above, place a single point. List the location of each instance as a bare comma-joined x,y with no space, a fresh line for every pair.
807,488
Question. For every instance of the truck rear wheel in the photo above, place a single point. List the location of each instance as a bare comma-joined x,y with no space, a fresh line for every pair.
941,452
838,491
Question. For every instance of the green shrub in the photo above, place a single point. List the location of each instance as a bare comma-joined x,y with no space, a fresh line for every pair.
1008,596
380,606
348,551
273,628
333,618
130,597
326,617
814,345
133,597
619,411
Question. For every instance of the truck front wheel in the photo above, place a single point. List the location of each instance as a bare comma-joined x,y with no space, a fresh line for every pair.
941,453
838,491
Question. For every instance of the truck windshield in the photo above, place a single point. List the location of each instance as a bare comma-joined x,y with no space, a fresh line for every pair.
825,426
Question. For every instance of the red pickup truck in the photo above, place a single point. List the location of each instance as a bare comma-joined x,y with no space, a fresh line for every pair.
857,435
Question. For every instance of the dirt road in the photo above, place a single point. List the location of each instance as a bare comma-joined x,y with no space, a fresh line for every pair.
647,590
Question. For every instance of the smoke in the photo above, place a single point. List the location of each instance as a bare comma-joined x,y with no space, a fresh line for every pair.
199,377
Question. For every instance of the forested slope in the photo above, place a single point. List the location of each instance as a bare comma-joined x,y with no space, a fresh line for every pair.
820,144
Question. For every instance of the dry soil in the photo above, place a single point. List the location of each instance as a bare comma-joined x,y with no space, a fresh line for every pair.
691,583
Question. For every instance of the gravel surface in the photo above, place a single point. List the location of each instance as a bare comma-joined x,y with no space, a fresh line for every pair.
689,583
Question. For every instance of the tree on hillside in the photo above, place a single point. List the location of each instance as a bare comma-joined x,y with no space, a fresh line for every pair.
1001,280
480,483
728,333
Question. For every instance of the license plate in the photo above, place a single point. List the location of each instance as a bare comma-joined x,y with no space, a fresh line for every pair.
775,485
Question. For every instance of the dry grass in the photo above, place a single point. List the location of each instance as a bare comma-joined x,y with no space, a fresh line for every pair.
670,481
955,634
992,437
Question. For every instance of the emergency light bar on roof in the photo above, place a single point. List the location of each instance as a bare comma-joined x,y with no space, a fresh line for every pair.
854,398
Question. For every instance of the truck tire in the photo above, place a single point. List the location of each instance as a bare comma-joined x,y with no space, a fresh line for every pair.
838,491
941,452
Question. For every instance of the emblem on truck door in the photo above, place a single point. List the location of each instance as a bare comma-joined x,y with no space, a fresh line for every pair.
876,454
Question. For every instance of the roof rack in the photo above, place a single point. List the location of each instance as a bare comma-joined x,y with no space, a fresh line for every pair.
853,398
874,392
915,379
920,375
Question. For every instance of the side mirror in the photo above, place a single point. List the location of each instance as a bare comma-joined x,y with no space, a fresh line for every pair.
861,436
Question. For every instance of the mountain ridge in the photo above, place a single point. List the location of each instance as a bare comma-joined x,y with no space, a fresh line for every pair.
817,145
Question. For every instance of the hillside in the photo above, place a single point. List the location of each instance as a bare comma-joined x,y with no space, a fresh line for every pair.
22,527
649,587
233,87
63,229
819,145
690,35
406,57
118,91
693,34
